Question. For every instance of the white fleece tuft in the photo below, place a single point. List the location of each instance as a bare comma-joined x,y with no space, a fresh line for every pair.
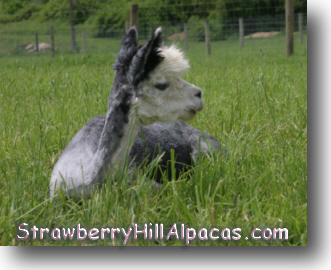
173,62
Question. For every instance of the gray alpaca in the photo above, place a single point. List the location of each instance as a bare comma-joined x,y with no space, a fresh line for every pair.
146,89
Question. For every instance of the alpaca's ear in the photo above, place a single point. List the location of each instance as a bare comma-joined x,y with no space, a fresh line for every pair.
146,59
130,39
128,49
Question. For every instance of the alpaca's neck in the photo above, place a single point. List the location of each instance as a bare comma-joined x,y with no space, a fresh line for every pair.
120,129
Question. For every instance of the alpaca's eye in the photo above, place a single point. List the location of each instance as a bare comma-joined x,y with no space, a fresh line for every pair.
161,86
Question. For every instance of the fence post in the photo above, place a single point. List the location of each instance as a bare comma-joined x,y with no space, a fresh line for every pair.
186,36
134,16
289,10
84,43
52,42
127,26
241,32
72,24
37,43
207,35
300,28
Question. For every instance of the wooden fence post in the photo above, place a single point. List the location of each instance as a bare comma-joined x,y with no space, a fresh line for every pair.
134,15
289,11
52,42
207,36
72,24
186,36
300,28
37,43
241,32
84,42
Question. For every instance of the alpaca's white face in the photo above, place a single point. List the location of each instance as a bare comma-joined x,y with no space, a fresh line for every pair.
168,99
165,97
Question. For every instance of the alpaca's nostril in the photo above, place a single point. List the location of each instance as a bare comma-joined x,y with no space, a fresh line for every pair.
199,94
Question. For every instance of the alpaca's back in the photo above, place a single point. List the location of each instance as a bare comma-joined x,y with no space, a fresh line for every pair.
162,137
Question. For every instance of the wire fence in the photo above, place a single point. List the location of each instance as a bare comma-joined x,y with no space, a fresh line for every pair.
261,26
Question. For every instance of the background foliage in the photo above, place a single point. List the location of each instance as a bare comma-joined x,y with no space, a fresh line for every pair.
108,16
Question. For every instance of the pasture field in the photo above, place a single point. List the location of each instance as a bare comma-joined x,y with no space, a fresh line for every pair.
255,106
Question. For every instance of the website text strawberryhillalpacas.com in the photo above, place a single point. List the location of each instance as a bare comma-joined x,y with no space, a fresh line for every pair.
148,232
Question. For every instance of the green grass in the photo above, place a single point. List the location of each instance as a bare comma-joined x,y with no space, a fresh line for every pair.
256,107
